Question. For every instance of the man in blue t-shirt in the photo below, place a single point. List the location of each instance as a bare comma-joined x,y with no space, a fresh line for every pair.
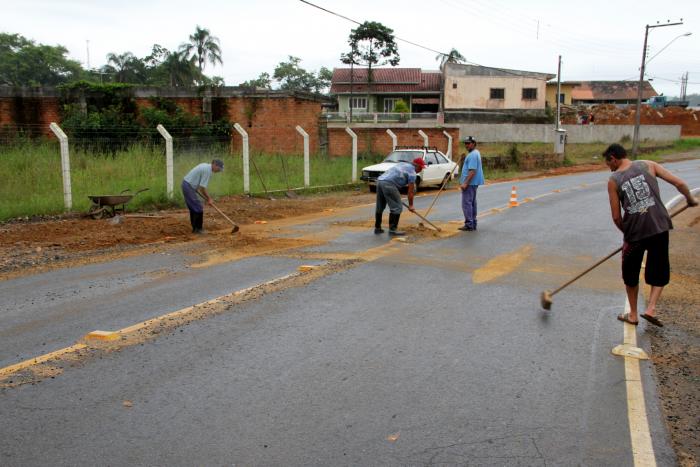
196,181
472,175
403,174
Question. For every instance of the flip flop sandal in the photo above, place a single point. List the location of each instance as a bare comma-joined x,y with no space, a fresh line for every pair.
626,318
652,319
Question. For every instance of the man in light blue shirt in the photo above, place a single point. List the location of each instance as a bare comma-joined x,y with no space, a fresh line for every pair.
196,181
472,175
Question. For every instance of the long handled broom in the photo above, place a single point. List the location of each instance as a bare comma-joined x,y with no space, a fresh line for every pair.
546,296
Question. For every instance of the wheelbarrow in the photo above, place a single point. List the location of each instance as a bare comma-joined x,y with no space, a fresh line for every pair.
108,205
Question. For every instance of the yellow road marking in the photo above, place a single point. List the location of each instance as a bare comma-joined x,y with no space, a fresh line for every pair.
640,436
12,369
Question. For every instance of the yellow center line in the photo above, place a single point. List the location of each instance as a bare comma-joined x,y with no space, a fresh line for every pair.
640,435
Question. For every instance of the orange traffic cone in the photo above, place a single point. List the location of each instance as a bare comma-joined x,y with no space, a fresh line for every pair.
513,198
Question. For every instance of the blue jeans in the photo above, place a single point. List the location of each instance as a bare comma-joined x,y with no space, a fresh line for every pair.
469,206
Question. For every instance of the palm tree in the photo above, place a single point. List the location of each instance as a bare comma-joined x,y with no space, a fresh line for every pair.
453,57
181,71
121,64
203,47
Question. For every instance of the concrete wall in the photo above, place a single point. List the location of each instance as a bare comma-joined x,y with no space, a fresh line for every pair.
523,133
375,140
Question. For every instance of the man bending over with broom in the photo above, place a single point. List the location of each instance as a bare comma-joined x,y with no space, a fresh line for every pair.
196,181
633,188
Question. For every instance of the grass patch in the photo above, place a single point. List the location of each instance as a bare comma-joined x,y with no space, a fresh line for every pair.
33,182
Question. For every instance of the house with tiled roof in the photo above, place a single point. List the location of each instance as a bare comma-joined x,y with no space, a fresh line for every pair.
419,89
608,92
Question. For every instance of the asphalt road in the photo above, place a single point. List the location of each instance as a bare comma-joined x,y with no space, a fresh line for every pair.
427,352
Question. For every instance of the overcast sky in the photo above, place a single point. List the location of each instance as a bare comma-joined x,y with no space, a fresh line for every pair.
598,40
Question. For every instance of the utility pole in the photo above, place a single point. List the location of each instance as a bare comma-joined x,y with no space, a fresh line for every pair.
637,114
684,86
558,122
87,47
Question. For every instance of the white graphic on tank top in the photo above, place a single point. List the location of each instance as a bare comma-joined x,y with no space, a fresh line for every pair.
638,194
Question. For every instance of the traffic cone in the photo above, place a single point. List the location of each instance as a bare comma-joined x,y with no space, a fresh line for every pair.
513,198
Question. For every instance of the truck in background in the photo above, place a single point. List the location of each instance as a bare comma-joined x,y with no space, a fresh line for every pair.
661,101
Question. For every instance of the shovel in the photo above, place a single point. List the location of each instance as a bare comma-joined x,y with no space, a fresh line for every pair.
426,220
235,226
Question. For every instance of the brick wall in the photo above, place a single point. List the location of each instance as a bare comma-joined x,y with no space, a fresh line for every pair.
33,114
377,141
271,123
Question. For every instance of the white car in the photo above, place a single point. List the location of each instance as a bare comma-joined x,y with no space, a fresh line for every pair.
438,166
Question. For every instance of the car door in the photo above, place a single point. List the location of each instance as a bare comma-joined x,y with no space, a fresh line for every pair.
431,173
445,165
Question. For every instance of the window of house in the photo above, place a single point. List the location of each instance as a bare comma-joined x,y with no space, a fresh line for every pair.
454,85
562,98
358,103
498,93
389,105
529,93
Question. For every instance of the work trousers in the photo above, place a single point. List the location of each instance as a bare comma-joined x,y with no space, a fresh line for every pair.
469,206
388,193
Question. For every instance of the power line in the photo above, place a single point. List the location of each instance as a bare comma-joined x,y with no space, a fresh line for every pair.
421,46
357,22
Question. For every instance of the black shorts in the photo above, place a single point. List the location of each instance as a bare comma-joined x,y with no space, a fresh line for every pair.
658,268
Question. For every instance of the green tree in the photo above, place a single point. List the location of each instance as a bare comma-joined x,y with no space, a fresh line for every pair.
371,44
125,68
204,48
179,69
25,63
262,81
453,57
323,80
292,77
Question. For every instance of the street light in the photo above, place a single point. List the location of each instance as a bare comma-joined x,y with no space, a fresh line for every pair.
637,114
666,46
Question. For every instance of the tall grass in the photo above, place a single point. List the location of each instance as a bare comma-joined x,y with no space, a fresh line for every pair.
32,183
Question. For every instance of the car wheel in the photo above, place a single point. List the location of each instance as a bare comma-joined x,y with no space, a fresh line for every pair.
417,184
446,180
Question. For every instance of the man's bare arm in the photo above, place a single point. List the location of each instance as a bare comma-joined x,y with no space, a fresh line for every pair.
615,209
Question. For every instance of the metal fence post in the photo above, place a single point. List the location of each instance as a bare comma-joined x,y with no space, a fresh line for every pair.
354,153
306,156
425,137
393,139
246,158
65,165
168,159
449,144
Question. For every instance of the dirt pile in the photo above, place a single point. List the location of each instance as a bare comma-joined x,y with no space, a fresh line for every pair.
676,346
608,114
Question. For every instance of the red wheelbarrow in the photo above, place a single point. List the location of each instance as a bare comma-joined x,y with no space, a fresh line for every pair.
108,205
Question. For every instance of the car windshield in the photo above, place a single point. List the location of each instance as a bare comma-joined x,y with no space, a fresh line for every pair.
402,156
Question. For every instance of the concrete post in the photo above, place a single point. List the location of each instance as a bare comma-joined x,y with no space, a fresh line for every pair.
425,137
65,165
168,159
449,145
393,139
354,153
246,158
307,177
